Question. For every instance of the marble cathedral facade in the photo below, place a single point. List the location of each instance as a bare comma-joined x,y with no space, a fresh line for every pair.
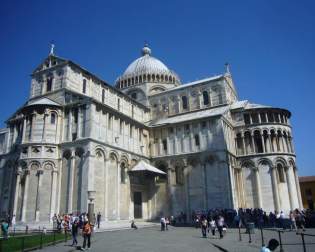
77,135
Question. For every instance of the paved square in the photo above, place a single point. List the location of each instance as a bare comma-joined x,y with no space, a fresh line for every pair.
146,240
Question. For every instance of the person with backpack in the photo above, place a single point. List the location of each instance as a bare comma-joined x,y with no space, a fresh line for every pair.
4,229
74,232
87,231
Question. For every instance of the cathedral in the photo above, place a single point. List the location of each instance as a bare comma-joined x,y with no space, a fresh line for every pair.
143,146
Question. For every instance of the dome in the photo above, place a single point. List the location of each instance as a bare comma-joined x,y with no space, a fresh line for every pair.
147,69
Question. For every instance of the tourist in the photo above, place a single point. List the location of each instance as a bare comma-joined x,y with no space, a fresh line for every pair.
292,221
281,220
87,231
167,223
98,219
4,229
13,222
162,223
272,245
74,232
220,224
54,220
204,225
212,226
133,225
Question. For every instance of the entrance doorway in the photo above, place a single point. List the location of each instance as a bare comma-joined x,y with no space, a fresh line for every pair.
137,200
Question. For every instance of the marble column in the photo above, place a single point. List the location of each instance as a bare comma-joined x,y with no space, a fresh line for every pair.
253,143
17,190
118,191
186,187
169,190
70,125
24,129
258,188
79,126
244,146
24,205
297,183
71,183
54,177
39,184
263,142
275,188
44,126
271,149
106,161
290,189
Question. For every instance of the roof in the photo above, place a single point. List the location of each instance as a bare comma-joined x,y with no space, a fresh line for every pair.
42,101
307,179
245,104
191,116
143,166
189,84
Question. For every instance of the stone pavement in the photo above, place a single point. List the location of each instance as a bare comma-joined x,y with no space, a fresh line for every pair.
149,239
184,239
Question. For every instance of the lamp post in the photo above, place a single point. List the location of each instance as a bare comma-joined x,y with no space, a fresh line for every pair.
91,197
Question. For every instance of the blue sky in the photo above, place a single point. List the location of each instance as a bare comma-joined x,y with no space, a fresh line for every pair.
269,44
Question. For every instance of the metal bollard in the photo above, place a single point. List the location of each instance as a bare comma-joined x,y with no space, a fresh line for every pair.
303,241
280,241
54,237
239,233
262,237
65,235
41,241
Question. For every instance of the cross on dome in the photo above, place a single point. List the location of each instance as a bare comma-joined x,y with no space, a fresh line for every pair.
146,50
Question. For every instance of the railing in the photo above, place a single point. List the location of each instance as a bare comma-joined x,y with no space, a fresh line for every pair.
280,233
25,240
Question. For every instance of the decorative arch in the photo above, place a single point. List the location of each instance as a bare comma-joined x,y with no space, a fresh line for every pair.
124,159
66,154
49,165
248,163
263,161
280,160
34,165
113,155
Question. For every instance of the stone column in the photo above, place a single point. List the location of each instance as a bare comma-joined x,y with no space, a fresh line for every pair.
106,188
283,144
258,188
79,128
270,143
186,186
24,206
24,129
39,183
71,182
44,126
289,184
263,142
297,183
54,177
118,191
17,190
243,143
259,118
70,125
275,188
253,142
169,190
206,185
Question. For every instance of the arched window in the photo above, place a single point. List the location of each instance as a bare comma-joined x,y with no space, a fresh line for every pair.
103,96
197,140
123,173
280,171
205,96
49,84
179,175
84,86
52,118
184,102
